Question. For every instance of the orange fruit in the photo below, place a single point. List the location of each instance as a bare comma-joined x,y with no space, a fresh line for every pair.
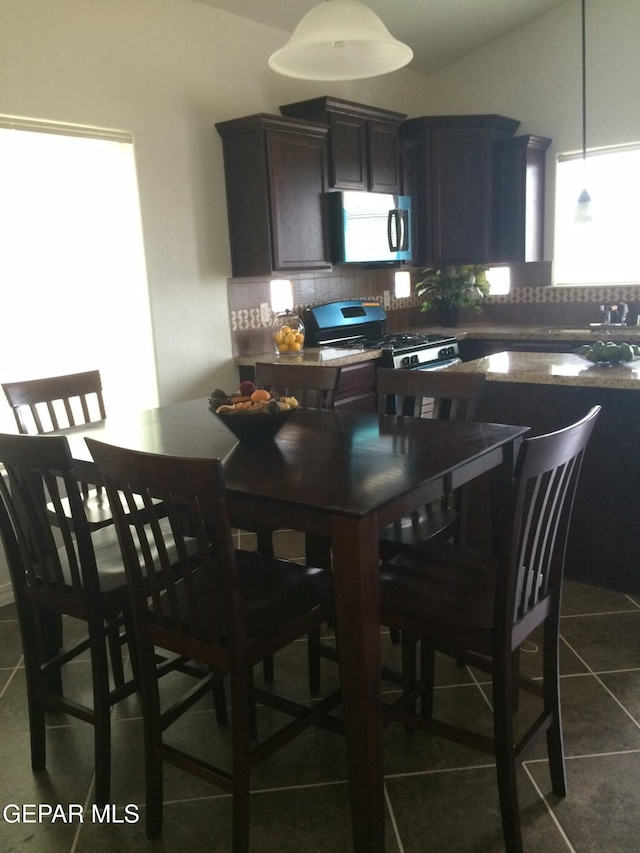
260,394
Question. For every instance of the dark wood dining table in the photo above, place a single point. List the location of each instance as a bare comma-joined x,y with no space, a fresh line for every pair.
341,475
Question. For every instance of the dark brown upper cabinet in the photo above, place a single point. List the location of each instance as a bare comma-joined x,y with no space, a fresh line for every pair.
479,189
276,179
364,145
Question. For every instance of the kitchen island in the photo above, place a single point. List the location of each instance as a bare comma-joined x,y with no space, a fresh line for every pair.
547,391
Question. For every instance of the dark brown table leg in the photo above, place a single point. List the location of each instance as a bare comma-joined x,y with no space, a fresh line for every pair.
355,563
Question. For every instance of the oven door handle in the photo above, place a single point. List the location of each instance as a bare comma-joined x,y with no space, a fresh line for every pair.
435,365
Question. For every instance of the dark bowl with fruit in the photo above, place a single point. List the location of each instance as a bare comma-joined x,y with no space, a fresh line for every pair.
252,414
609,353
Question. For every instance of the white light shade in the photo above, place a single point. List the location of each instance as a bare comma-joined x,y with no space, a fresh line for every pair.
584,211
281,292
340,40
402,284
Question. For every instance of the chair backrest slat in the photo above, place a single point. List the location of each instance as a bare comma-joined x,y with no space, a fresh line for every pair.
313,387
56,402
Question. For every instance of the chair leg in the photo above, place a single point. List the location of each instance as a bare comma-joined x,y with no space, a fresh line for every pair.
243,726
317,552
102,716
265,546
220,700
50,626
428,677
551,687
409,658
130,635
37,718
115,653
505,758
37,684
313,658
152,721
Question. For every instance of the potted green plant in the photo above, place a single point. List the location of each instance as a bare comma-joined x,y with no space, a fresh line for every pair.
449,288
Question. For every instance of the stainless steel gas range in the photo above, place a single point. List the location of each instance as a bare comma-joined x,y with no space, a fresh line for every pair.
361,324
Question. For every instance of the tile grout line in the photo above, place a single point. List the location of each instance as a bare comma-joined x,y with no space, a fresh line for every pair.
13,671
394,823
550,811
599,613
601,682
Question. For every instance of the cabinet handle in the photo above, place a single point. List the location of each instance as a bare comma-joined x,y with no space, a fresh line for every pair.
393,217
401,220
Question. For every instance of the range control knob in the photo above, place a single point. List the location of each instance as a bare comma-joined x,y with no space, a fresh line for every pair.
447,351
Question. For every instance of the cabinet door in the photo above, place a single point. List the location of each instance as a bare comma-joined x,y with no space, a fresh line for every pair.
348,147
518,198
384,158
411,184
299,234
461,196
357,387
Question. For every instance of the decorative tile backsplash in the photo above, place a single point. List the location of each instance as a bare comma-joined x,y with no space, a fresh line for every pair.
531,301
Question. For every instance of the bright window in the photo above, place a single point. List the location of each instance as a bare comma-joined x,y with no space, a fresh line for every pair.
74,290
602,247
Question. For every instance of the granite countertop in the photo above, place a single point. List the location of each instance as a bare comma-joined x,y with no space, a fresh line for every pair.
552,369
487,331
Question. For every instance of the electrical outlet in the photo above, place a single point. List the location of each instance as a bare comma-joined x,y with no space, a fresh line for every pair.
265,313
386,298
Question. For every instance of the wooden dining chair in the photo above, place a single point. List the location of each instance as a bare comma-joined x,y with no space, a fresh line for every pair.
81,578
225,608
62,568
46,405
434,394
482,609
314,387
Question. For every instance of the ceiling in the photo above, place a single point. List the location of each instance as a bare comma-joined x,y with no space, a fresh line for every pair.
438,31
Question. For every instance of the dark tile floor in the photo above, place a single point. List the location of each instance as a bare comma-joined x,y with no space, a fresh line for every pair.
440,797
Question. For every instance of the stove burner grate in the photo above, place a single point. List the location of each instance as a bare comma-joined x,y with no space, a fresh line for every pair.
396,343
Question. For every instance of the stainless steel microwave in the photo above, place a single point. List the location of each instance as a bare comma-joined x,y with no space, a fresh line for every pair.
370,227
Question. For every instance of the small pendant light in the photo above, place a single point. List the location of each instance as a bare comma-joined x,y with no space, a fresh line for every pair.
583,211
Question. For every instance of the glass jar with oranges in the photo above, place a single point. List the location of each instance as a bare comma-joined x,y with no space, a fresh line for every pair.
288,333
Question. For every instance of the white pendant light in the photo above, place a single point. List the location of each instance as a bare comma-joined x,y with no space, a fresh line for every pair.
340,40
